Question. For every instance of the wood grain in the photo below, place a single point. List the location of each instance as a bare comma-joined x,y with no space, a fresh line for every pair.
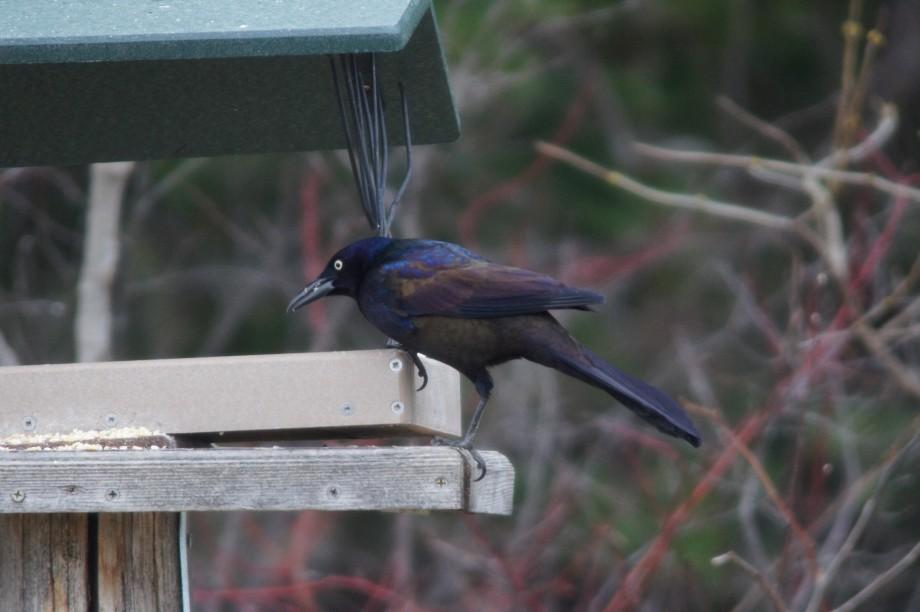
44,562
138,562
173,480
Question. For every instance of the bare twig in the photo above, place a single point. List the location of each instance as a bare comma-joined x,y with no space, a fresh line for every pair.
677,200
902,374
764,128
833,247
827,576
751,163
852,32
100,260
874,41
801,535
881,580
897,294
884,130
732,557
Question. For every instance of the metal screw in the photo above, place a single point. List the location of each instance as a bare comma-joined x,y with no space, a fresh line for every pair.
346,409
111,495
111,419
397,407
28,423
332,491
440,481
396,365
18,496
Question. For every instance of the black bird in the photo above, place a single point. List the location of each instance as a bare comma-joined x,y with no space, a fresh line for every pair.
442,300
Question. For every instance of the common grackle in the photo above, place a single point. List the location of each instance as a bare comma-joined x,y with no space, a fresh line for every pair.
442,300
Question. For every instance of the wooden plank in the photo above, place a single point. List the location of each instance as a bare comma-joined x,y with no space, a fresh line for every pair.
172,480
138,562
339,391
44,562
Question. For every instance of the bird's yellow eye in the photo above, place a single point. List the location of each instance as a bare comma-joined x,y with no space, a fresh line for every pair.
338,265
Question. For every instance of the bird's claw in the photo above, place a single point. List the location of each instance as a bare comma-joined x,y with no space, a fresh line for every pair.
416,361
468,447
422,372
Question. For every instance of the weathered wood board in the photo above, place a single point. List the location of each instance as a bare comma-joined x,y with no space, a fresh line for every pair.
173,480
76,562
44,562
138,562
339,391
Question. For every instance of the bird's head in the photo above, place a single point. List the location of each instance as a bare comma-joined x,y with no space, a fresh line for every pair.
344,272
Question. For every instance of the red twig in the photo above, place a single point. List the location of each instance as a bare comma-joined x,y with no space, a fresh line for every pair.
276,594
598,269
627,595
310,242
515,577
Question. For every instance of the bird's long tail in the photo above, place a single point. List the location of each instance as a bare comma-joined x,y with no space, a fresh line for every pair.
646,401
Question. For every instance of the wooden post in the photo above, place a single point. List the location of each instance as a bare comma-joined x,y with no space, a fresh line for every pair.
77,562
138,562
45,562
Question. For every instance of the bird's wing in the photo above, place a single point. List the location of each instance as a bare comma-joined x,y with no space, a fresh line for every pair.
476,288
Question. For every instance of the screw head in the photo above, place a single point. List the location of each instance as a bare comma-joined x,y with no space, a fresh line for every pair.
332,491
440,481
397,407
111,495
29,423
111,419
396,364
18,496
347,409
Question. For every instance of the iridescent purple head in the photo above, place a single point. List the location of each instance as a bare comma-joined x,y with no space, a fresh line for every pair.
344,272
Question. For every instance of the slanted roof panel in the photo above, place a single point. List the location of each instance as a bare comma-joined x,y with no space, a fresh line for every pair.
54,31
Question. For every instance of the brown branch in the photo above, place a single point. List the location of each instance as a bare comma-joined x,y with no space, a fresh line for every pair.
852,31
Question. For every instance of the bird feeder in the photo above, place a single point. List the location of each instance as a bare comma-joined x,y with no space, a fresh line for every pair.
84,81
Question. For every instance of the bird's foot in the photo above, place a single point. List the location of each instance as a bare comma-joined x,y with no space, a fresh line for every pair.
422,372
466,445
416,361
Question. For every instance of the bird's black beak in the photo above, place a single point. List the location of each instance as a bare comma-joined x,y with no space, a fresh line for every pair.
312,292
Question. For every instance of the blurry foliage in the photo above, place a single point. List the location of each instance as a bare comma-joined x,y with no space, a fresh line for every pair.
210,259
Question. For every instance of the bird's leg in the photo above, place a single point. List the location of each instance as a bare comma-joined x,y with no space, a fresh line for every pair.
484,387
416,361
466,442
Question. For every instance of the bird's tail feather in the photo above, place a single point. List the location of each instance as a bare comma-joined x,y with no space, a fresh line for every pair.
646,401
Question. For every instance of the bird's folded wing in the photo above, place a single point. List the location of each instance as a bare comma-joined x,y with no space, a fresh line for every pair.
482,290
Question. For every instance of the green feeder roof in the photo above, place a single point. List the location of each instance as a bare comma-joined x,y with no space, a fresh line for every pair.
85,81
